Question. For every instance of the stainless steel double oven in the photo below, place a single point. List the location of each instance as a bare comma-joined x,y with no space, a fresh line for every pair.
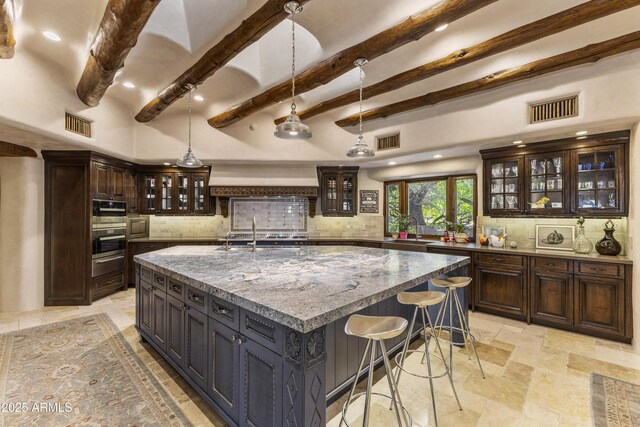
109,239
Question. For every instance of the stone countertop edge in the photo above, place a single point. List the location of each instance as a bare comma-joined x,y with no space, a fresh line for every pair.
295,323
474,247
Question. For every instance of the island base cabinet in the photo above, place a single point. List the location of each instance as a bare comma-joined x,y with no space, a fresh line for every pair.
224,362
599,305
195,336
175,328
152,306
501,292
552,298
144,312
260,383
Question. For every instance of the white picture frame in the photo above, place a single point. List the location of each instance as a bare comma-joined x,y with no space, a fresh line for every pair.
555,237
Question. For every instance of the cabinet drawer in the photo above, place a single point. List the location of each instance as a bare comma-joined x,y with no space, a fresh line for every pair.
600,269
159,281
224,312
176,289
454,252
500,260
263,331
109,282
197,299
552,264
145,274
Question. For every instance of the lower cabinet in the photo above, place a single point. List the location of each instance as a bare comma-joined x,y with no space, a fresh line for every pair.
552,298
501,290
175,329
195,352
224,362
600,305
152,305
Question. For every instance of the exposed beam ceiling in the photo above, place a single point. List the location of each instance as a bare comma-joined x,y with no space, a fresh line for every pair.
8,149
591,53
122,22
7,42
411,29
250,30
539,29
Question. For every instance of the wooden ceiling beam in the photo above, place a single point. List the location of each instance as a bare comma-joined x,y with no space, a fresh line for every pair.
250,30
587,54
411,29
7,42
553,24
122,23
8,149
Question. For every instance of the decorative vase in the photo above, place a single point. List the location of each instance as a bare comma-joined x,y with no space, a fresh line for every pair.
403,235
394,236
582,245
608,245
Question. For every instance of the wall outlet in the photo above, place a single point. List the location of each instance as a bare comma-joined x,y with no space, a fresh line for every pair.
532,234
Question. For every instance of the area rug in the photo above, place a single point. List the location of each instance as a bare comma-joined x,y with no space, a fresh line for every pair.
614,402
79,372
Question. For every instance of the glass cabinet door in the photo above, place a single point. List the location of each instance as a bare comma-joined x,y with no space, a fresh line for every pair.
347,194
599,174
331,194
183,192
199,193
166,194
546,183
149,185
505,176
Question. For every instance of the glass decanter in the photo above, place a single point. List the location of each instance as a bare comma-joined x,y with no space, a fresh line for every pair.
582,245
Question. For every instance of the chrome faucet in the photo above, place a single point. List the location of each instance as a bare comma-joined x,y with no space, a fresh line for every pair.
416,221
253,249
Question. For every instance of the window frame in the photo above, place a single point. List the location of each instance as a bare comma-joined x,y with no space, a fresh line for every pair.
451,189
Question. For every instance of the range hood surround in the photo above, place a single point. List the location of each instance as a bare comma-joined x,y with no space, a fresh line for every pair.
244,180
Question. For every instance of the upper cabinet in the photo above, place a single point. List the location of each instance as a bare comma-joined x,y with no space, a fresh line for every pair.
174,191
338,190
568,177
108,182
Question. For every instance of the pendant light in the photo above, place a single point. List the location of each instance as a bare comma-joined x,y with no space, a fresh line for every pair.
189,160
360,149
293,128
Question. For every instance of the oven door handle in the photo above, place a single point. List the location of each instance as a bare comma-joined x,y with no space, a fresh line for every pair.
120,236
111,209
113,258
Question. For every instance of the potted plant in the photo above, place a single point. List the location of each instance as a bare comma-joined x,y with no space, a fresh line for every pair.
393,227
461,235
404,222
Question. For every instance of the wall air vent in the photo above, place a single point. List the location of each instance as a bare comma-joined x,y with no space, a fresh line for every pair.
388,142
77,125
553,110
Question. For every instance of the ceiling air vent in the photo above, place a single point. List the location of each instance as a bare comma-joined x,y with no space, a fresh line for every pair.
77,125
388,142
553,110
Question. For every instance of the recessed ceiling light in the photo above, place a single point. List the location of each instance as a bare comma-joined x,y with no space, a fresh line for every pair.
437,156
198,98
442,27
582,132
517,142
128,85
167,164
51,36
521,146
581,137
392,163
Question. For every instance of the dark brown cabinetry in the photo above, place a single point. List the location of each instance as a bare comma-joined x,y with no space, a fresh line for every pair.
131,190
137,248
174,191
551,289
501,284
108,182
338,190
567,177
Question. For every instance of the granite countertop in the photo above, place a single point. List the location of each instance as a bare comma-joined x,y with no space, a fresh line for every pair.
302,288
476,247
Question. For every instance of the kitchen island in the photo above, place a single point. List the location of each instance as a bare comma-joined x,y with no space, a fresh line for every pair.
260,335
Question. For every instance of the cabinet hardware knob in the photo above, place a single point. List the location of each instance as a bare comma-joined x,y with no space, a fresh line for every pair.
239,341
221,310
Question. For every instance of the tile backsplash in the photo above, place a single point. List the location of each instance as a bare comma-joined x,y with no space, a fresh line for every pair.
216,226
519,229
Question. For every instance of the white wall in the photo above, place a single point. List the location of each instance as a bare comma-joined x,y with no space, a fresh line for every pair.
21,234
634,230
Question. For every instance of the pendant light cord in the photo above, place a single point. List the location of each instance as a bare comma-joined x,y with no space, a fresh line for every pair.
190,90
361,82
293,59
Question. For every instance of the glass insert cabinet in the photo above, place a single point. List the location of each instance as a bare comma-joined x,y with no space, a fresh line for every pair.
174,191
338,190
558,178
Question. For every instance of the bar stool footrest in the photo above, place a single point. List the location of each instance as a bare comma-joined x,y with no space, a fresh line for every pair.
455,329
403,369
386,396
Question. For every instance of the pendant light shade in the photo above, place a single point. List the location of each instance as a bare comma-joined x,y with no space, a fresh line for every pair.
189,160
293,128
360,149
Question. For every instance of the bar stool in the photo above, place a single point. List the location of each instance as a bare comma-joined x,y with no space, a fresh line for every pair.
376,329
452,284
423,300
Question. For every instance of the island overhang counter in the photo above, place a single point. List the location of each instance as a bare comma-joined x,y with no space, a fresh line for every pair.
260,335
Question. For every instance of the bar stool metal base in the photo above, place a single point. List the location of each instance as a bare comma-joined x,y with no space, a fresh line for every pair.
415,374
357,395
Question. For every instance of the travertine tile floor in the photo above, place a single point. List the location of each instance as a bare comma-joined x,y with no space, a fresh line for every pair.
535,376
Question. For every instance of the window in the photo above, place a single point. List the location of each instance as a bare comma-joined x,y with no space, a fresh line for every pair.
433,202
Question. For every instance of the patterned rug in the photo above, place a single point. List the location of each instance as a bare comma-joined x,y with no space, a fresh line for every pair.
79,372
614,402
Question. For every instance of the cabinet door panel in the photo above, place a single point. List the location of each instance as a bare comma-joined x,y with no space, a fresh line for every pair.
196,346
224,361
159,317
600,304
100,181
118,183
501,290
261,378
552,297
146,294
175,329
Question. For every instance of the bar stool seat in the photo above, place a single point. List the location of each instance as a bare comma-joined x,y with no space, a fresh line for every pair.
451,282
421,299
375,329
